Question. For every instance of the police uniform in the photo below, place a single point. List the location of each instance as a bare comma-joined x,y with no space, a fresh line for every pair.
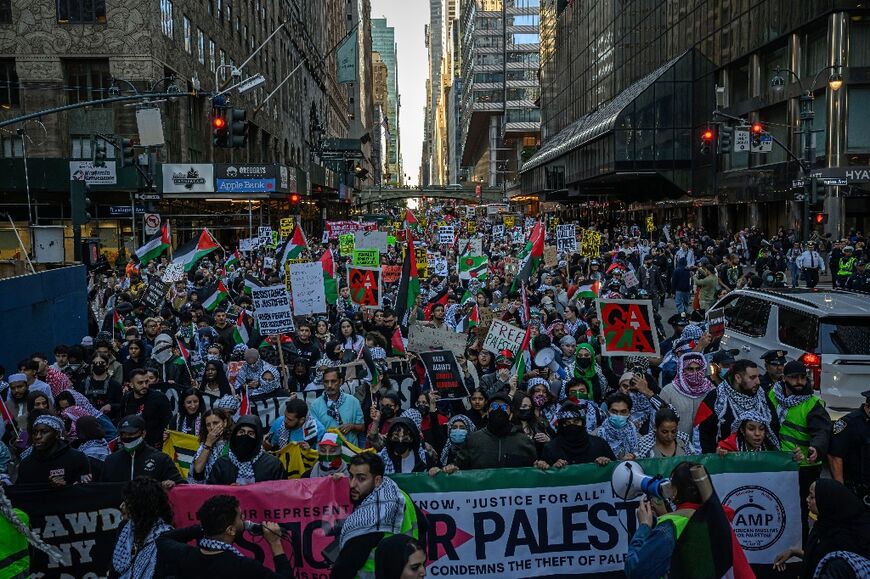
851,442
846,267
770,357
678,322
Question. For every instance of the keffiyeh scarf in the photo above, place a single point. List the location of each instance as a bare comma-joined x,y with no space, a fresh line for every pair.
784,401
647,444
96,449
214,545
741,405
754,416
218,451
860,565
621,440
246,468
469,426
332,406
141,564
695,385
381,511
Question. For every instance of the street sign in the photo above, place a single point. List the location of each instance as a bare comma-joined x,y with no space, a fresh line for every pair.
151,222
798,184
148,196
765,145
835,182
124,210
741,140
799,196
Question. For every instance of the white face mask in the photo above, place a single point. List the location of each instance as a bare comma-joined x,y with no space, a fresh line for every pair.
133,444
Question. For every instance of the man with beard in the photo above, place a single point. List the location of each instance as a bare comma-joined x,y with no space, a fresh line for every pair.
336,409
246,463
804,424
500,444
501,379
725,405
774,362
137,458
152,405
249,374
573,444
225,331
53,461
381,509
16,400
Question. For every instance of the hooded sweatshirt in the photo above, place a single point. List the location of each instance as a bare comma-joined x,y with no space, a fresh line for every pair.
265,466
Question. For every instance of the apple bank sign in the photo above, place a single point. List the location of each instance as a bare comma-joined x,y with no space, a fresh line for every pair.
245,178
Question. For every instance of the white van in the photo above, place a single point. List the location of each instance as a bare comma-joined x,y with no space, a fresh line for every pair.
828,330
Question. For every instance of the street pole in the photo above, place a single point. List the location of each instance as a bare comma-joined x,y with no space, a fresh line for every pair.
77,190
806,119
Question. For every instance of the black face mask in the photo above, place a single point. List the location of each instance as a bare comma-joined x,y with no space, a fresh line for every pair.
573,433
398,448
244,447
423,409
99,368
387,412
584,362
498,422
525,414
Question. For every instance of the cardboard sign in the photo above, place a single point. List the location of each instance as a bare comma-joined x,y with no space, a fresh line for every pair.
497,232
367,257
371,240
550,256
628,327
345,244
174,272
590,246
629,279
425,338
445,234
486,318
365,285
566,238
504,336
392,273
444,374
272,310
287,225
309,295
154,295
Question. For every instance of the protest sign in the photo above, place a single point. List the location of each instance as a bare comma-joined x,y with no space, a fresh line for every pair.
366,257
486,316
509,221
629,279
247,244
550,256
308,509
392,273
336,228
272,310
422,258
503,336
286,227
425,338
472,246
650,224
473,267
590,245
268,262
628,327
80,520
371,240
437,264
154,295
309,295
345,244
518,523
497,232
716,327
174,272
365,285
444,374
566,238
445,234
517,237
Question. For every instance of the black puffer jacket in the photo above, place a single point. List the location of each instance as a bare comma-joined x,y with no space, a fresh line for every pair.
266,467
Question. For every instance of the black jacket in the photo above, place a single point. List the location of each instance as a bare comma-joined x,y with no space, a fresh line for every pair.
147,461
266,468
66,461
154,408
560,449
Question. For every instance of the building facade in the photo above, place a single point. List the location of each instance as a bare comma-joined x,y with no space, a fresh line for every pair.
384,43
627,91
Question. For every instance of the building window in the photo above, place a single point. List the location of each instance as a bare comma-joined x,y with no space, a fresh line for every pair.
81,147
200,45
81,11
211,55
859,50
858,127
8,84
87,80
5,11
229,14
166,17
188,35
13,146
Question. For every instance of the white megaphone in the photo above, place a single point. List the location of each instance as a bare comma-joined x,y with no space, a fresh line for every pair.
546,358
629,482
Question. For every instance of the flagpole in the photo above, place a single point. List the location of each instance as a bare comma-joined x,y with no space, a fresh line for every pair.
169,230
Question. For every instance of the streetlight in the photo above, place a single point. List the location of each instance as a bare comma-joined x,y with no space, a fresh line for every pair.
835,83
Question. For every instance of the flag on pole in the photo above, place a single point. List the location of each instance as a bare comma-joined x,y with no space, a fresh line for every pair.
589,289
152,249
520,364
531,257
472,320
191,252
233,260
249,284
184,352
409,218
117,324
438,299
330,285
293,246
240,332
409,286
216,298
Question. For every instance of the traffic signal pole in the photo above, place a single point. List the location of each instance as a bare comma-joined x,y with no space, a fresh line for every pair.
806,119
77,192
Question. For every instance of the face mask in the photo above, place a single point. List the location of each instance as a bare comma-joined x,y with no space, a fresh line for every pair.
723,372
498,422
618,421
573,432
525,414
132,445
458,436
398,447
99,368
244,447
584,363
329,461
387,412
423,409
539,400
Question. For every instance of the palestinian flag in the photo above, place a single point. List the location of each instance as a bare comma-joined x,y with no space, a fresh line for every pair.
409,218
397,344
472,320
245,405
249,284
184,353
217,297
439,298
589,289
233,260
240,332
117,324
154,246
531,257
473,267
409,287
191,252
520,365
330,285
293,246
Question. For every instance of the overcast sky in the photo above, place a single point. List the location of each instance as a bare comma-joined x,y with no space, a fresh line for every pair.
409,17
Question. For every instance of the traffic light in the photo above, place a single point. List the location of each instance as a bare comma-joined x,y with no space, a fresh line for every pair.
294,199
817,191
238,128
80,203
707,137
756,130
99,151
726,138
820,218
127,157
219,130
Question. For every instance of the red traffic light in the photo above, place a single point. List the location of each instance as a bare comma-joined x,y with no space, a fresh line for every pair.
294,198
218,122
757,128
820,218
707,135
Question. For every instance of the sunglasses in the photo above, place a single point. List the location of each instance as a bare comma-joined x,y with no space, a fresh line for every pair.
499,406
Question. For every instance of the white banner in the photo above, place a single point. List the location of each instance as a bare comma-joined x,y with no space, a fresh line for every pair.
503,336
370,240
272,310
188,178
85,171
309,295
445,234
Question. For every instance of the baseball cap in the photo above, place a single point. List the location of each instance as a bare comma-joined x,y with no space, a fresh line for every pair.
794,368
329,439
724,356
132,423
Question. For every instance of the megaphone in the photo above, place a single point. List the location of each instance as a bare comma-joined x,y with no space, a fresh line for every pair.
546,358
629,482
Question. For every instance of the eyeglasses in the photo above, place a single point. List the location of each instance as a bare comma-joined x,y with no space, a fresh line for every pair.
499,406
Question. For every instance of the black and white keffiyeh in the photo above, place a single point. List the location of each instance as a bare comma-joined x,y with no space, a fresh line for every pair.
786,401
448,446
381,511
215,545
621,440
219,450
266,386
141,564
647,444
246,468
860,565
754,416
740,404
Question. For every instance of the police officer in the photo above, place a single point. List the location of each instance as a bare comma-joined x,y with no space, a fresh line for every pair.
846,267
678,322
811,264
860,280
774,360
849,457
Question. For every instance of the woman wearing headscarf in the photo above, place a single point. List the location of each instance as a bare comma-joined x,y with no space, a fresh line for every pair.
751,433
686,393
665,440
399,557
530,420
147,516
90,440
587,371
269,385
572,443
842,524
460,427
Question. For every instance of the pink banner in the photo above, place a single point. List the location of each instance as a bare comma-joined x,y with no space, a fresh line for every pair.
307,509
336,228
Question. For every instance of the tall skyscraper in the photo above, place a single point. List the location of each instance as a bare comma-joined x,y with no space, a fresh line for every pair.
384,43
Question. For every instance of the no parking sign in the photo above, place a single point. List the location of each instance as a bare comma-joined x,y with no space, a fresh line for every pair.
152,223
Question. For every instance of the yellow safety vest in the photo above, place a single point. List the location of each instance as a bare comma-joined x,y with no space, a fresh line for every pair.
410,526
14,553
793,431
